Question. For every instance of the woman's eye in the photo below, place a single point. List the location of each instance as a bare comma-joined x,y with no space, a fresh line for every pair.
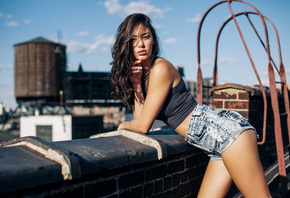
134,40
147,37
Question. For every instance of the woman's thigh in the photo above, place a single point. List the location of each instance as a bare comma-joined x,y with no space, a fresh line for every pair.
243,163
216,181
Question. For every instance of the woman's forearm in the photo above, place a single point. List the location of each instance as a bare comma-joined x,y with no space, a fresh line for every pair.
134,125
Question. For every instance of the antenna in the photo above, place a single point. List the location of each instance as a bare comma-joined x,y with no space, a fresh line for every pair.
59,36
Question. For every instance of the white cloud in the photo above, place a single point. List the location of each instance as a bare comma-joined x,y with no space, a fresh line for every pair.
205,62
143,7
167,9
225,60
9,16
5,66
165,32
113,7
12,24
197,18
157,26
26,21
264,73
74,46
2,84
102,44
171,40
1,14
84,33
265,82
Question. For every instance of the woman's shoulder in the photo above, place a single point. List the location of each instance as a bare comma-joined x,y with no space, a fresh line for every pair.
164,71
162,65
162,61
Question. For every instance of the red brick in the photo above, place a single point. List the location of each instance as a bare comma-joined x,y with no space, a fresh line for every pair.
236,105
245,114
224,95
217,104
244,95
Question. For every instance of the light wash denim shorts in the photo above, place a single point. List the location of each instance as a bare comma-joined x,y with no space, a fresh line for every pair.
214,130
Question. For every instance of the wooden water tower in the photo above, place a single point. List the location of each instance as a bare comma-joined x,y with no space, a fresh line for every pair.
39,70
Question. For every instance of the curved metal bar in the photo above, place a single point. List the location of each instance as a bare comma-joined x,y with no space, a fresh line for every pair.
199,87
257,75
261,39
199,72
281,72
283,80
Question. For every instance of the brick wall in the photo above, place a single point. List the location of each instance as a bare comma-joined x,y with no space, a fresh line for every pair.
119,164
126,164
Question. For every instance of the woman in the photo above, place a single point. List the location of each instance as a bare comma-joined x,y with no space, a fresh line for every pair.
155,90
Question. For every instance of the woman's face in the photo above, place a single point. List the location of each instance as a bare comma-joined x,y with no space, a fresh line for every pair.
142,43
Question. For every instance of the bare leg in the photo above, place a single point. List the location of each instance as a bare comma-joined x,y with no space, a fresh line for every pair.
243,163
216,181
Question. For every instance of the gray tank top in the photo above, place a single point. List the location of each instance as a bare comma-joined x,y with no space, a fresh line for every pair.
177,106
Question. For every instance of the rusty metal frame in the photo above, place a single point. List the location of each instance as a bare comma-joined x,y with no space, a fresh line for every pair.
272,81
281,72
259,80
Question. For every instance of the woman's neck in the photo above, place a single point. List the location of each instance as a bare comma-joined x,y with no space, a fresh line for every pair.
147,64
146,68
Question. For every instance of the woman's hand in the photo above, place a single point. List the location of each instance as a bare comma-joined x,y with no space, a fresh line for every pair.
136,72
121,126
136,78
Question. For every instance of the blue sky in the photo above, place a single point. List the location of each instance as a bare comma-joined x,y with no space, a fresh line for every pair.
88,27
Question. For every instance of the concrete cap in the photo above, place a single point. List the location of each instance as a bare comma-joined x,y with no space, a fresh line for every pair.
49,162
21,168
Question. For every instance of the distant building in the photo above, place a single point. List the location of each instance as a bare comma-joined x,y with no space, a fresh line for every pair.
39,69
60,127
2,113
89,88
89,93
41,80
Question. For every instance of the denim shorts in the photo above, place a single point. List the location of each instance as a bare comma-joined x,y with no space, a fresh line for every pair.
214,130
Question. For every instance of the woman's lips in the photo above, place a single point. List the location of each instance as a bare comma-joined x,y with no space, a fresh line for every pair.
142,52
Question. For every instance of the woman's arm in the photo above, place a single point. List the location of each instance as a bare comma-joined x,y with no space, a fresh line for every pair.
162,77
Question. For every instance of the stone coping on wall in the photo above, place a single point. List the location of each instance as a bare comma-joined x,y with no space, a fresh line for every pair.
253,90
29,162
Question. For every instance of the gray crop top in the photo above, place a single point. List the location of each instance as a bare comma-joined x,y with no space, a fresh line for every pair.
177,106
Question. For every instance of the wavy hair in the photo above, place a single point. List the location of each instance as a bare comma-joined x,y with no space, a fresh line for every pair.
123,56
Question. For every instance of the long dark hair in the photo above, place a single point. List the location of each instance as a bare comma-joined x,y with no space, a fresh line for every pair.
123,56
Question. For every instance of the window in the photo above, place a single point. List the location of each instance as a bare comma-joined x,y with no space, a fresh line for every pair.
44,132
